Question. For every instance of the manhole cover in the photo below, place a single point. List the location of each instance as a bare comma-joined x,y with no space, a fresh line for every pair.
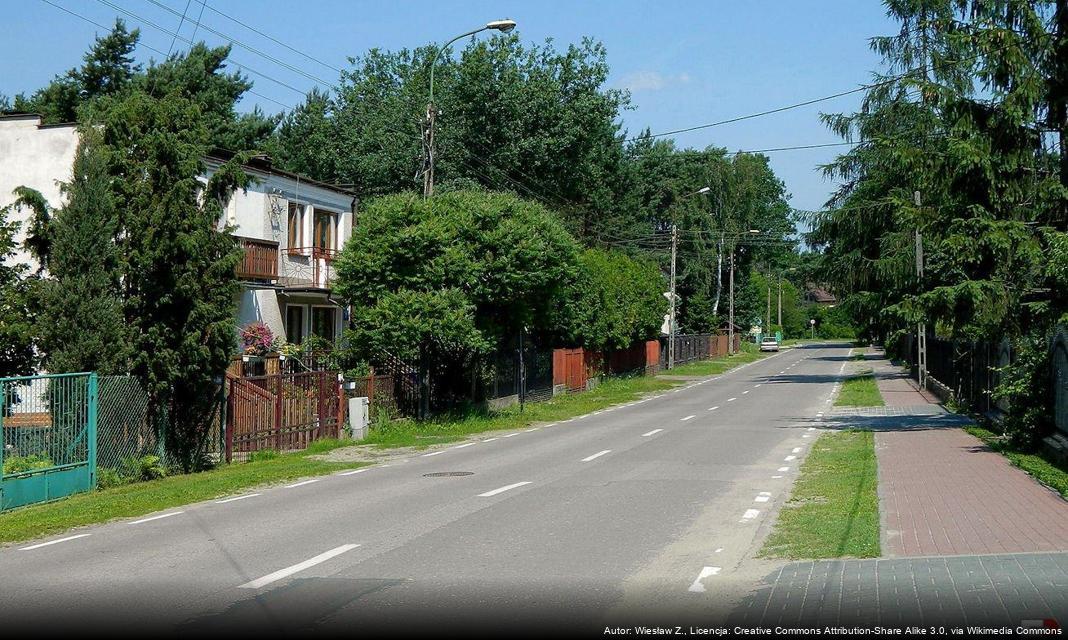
448,474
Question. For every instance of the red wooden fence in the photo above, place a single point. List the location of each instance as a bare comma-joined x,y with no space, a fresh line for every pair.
282,411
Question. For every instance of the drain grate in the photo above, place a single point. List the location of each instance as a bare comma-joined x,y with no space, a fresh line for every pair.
448,474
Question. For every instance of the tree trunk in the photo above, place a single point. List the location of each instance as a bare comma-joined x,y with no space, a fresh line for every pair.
719,276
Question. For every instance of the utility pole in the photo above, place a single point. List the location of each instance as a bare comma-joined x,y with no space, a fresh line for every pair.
730,321
780,301
767,315
921,328
671,315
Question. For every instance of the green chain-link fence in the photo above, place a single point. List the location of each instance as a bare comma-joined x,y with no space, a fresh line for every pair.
125,429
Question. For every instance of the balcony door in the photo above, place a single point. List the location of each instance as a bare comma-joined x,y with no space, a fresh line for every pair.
324,234
295,323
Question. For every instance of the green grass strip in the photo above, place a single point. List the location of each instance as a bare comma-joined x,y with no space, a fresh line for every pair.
1036,465
834,509
411,433
146,497
716,366
859,391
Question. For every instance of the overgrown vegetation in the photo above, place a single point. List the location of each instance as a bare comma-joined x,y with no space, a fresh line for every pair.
833,511
1036,464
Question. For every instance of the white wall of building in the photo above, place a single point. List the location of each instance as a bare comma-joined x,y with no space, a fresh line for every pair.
38,157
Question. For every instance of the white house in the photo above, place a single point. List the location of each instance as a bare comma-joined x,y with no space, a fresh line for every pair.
290,227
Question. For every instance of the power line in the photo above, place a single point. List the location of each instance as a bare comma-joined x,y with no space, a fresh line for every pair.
151,48
196,27
187,40
275,40
250,48
180,23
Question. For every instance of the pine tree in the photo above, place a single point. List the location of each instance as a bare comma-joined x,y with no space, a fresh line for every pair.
81,323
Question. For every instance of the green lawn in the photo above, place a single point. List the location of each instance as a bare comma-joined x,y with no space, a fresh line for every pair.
859,391
716,366
1047,472
834,509
410,433
145,497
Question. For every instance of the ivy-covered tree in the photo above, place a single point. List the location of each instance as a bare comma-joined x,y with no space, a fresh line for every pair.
81,323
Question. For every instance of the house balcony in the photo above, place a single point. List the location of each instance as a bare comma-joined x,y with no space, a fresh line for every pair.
260,260
308,268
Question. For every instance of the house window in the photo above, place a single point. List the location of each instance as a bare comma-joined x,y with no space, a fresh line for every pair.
325,229
323,322
295,324
296,225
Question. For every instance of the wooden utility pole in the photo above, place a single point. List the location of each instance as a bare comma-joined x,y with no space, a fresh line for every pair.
921,328
730,327
671,315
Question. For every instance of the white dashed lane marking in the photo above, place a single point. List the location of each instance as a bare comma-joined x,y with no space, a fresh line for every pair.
596,455
509,487
52,542
159,517
706,572
688,418
288,571
654,431
253,495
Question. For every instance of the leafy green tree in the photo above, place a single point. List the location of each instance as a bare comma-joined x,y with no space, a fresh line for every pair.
179,286
17,355
440,282
108,68
81,322
38,240
614,302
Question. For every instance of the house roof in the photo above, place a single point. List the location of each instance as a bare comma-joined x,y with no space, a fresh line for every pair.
263,164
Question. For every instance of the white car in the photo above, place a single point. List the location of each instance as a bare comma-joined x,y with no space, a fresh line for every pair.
769,343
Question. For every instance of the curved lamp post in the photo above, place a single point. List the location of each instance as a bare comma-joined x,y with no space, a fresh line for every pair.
504,26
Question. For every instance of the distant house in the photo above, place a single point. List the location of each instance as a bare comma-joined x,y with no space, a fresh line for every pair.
290,227
819,295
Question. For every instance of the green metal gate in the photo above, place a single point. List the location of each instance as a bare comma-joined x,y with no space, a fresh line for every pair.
48,439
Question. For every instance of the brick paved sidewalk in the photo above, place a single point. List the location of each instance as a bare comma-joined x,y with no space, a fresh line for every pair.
978,590
942,492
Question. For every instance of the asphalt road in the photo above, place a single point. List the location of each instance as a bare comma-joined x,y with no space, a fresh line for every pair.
625,515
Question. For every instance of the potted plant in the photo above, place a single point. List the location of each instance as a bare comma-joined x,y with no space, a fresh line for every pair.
256,340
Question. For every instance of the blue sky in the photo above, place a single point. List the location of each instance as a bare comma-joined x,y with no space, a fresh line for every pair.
686,63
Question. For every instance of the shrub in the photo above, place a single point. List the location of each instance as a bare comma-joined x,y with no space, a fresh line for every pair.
107,478
143,468
22,464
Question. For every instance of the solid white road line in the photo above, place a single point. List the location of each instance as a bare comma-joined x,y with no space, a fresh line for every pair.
706,572
159,517
435,453
489,494
596,455
301,484
687,418
301,566
52,542
353,472
654,431
247,495
713,408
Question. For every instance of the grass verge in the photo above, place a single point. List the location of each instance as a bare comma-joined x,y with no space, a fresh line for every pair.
859,391
1036,465
145,497
834,509
716,366
450,428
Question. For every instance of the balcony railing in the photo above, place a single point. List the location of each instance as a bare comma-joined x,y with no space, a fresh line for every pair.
260,261
308,268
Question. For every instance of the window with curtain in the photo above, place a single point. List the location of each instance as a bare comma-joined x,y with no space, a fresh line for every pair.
296,225
325,229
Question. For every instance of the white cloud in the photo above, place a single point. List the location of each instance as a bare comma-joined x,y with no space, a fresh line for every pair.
651,80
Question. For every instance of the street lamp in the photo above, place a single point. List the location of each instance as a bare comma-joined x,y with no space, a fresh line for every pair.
674,252
504,26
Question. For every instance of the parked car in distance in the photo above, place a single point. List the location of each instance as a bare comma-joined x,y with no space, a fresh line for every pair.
769,343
